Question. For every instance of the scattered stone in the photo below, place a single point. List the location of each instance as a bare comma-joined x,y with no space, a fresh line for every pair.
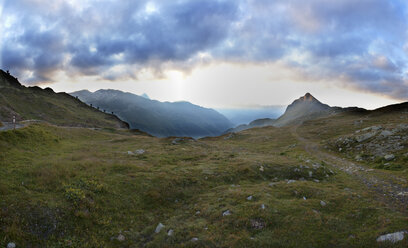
389,157
130,153
304,198
261,168
340,149
310,173
263,206
121,238
291,181
226,213
231,135
198,212
316,180
392,237
11,245
194,239
257,223
159,227
322,203
170,232
364,137
140,151
249,198
177,141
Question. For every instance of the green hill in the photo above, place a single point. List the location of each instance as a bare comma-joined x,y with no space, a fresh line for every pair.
34,103
264,187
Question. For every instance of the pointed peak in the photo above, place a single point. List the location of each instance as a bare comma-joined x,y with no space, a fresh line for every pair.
308,97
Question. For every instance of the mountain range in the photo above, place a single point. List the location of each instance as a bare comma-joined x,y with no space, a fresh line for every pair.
158,118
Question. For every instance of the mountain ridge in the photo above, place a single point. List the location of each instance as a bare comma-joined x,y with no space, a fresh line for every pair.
158,118
27,103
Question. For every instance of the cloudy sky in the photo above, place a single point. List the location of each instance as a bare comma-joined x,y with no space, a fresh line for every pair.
215,53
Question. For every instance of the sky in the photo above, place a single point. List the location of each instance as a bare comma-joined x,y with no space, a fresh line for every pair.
215,53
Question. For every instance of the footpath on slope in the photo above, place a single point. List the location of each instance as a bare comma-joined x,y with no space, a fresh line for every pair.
388,190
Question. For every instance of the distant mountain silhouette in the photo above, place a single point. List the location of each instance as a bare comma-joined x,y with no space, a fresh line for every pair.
239,116
34,103
158,118
305,108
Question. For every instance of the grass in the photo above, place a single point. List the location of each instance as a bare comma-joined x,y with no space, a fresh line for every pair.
75,187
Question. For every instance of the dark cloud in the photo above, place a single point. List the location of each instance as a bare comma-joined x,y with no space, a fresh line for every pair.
362,41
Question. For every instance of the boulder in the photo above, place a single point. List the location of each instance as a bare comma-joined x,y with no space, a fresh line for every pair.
389,157
392,237
11,245
159,227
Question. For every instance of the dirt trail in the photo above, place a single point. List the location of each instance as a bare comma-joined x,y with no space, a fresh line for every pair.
388,190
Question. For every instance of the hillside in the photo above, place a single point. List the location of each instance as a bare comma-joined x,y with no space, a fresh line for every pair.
34,103
158,118
263,187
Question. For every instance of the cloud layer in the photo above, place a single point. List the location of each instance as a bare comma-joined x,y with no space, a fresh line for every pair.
361,43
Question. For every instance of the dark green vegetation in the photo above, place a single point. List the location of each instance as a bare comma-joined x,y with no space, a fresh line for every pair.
158,118
34,103
75,187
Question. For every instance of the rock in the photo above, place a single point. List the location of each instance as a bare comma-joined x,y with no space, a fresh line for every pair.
198,212
226,213
11,245
257,224
140,151
121,238
272,184
263,206
364,137
310,173
130,153
176,141
386,133
261,168
291,181
170,232
358,158
304,198
194,239
389,157
159,227
392,237
316,180
322,203
249,198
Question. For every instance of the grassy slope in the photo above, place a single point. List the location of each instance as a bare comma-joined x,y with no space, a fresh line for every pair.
74,187
328,130
56,108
